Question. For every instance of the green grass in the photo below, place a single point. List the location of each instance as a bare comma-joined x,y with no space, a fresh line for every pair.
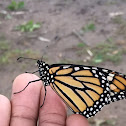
81,48
121,28
109,40
106,52
81,45
30,26
14,6
110,3
89,27
118,19
8,55
3,46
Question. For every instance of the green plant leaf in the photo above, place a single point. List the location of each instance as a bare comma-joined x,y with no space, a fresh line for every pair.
15,5
30,26
89,27
21,5
81,45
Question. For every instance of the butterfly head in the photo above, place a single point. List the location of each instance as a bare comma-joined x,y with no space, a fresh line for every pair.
44,72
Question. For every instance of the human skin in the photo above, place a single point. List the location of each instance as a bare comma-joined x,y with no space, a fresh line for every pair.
24,108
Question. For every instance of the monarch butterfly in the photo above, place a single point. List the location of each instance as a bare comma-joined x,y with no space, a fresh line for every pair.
84,89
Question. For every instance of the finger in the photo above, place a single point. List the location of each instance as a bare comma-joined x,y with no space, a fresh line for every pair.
53,112
25,105
5,111
76,120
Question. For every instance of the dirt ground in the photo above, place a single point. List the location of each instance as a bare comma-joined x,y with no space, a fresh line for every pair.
61,21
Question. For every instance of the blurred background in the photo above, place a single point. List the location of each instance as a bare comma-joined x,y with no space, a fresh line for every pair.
86,32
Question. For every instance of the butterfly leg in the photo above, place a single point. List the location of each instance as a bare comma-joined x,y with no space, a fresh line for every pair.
26,86
32,72
44,97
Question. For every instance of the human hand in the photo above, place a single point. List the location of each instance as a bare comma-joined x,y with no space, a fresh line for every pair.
24,108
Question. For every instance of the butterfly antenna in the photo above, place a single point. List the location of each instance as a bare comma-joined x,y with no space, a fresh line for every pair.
19,58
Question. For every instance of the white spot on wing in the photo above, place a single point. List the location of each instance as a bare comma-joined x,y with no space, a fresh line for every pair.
109,78
103,81
121,93
111,93
96,75
94,71
112,75
104,78
95,68
76,68
84,112
64,67
104,70
86,67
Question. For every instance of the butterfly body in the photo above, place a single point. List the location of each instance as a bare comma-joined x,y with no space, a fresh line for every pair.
84,89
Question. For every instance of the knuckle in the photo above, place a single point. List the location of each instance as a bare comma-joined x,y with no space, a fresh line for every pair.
20,113
50,119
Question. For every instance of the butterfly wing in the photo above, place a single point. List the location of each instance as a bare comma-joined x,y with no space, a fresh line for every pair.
84,89
117,82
